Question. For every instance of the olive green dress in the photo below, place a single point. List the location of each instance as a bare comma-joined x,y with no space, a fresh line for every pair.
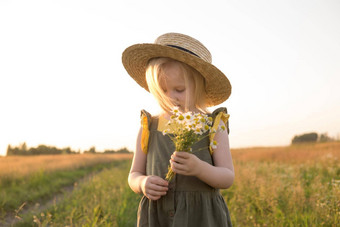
189,201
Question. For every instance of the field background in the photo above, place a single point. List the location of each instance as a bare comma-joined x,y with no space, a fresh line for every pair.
276,186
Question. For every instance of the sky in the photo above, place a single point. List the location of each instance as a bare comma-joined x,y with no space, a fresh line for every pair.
62,82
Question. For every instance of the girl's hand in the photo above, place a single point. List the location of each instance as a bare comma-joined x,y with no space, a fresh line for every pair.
185,163
154,187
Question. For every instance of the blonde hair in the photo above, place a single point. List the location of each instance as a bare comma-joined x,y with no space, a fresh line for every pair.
154,73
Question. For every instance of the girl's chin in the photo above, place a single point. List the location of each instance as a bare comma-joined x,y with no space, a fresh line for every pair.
179,107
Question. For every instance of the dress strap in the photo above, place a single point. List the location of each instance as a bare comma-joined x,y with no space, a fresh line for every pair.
218,115
145,123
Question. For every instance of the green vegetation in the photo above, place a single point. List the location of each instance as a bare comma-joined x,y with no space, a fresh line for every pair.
39,186
106,200
264,194
312,137
278,194
22,149
284,186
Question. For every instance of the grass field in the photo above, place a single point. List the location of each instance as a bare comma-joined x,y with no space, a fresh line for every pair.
36,179
275,186
21,166
286,186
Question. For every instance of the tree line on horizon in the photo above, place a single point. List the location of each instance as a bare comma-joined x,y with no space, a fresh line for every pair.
22,149
312,137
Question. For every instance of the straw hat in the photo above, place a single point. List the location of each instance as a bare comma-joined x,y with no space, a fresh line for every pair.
182,48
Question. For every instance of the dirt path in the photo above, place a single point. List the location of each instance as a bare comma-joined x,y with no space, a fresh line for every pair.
40,206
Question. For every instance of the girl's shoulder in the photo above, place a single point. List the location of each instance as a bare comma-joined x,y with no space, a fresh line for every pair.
149,115
147,119
146,125
158,121
144,113
221,114
218,111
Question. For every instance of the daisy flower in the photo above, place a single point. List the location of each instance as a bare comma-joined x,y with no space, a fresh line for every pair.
213,144
186,130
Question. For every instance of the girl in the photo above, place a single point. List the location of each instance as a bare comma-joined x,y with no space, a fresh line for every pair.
177,70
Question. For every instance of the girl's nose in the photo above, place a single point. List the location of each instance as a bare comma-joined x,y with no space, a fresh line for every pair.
172,95
173,98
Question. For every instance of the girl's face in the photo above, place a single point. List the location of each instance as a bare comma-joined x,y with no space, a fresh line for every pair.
173,84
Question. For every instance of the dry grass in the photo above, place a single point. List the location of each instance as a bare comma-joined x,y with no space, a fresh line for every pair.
286,186
18,166
274,186
324,153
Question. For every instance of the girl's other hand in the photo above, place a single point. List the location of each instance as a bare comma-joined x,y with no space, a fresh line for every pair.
185,163
153,187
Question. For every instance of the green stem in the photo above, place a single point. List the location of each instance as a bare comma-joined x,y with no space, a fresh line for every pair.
170,175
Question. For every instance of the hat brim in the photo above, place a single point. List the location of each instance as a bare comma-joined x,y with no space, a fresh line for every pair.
136,57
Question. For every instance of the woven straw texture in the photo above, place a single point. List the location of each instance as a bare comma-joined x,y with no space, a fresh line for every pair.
136,57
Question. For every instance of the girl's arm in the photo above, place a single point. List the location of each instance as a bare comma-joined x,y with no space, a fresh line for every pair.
152,187
219,176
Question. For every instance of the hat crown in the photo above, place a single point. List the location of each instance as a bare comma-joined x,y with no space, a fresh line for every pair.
184,49
185,43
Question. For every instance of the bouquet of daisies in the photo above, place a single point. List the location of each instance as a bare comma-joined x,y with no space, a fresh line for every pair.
185,129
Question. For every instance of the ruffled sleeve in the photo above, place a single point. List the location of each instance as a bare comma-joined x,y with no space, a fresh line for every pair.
218,115
145,123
